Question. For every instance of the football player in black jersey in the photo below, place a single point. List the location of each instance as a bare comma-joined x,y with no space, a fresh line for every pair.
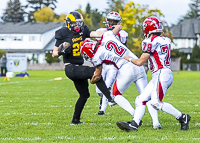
75,33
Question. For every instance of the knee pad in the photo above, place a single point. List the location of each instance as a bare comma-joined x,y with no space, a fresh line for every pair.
139,101
157,105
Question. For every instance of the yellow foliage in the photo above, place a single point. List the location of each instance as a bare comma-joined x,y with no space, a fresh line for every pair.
45,14
62,18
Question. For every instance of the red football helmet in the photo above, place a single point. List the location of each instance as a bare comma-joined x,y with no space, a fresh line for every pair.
113,18
151,25
87,48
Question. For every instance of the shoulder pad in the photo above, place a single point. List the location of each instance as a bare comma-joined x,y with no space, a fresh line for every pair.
58,34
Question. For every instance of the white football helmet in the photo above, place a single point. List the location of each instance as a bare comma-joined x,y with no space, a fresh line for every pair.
113,18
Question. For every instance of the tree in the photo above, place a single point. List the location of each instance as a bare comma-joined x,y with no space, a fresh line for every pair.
49,59
115,5
132,18
46,14
194,10
88,10
96,19
14,12
37,5
195,56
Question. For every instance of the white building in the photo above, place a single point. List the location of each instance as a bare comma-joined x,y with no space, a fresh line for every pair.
186,34
32,39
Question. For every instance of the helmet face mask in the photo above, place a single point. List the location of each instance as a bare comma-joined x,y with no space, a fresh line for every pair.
151,25
113,18
74,21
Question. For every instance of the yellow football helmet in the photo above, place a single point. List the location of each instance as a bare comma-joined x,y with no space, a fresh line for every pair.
74,21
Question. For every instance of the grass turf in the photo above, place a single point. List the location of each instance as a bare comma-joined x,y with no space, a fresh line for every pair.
40,109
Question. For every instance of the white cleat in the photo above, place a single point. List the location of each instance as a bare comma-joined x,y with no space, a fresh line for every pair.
157,126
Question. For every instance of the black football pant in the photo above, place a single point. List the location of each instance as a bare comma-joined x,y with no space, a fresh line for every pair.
80,75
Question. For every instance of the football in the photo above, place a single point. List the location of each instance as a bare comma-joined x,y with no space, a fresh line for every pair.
64,46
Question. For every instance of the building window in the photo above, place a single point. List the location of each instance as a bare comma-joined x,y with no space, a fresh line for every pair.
32,38
17,38
2,38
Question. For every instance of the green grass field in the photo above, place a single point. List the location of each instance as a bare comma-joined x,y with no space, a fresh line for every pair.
40,109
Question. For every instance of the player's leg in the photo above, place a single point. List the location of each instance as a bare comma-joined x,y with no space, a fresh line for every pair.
109,78
140,102
82,88
141,84
124,79
165,80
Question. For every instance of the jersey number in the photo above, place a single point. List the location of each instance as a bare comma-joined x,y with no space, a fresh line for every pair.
118,50
76,49
166,50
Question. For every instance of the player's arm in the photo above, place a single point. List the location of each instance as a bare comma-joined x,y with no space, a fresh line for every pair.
97,74
97,33
139,62
116,29
63,49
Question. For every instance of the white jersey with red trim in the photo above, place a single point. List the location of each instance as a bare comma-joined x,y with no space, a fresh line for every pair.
111,51
160,49
122,35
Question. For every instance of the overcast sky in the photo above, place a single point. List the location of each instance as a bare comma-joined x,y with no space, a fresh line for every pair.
172,9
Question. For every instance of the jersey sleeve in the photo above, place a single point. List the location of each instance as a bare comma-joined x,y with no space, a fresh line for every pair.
97,59
87,31
58,37
146,46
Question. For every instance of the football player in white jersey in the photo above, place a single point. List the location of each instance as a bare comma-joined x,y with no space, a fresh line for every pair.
109,71
157,50
111,50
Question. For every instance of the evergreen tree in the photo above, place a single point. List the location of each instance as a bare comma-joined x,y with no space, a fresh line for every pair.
88,10
194,10
195,56
14,12
96,19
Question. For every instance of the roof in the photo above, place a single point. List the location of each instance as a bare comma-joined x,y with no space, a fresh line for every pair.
28,27
187,29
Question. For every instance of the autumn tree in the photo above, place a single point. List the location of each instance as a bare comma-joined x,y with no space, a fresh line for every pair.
132,18
14,12
36,5
46,14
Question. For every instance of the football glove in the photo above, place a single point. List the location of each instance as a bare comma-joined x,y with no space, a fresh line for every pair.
64,49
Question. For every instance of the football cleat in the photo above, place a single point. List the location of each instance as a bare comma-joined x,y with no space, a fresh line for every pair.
112,103
157,126
140,124
76,122
101,113
128,126
184,120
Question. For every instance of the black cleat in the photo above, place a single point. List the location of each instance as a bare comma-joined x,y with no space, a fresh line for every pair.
101,113
128,126
111,103
184,120
76,122
140,124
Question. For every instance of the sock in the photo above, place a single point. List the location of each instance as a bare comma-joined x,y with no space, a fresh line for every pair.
153,112
104,103
168,108
125,104
139,113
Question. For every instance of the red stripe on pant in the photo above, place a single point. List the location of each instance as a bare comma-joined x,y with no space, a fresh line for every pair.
160,91
115,89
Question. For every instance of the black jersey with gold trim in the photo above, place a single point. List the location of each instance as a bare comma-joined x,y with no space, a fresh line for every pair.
75,39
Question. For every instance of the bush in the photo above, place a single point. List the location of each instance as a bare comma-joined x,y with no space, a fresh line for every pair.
49,59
